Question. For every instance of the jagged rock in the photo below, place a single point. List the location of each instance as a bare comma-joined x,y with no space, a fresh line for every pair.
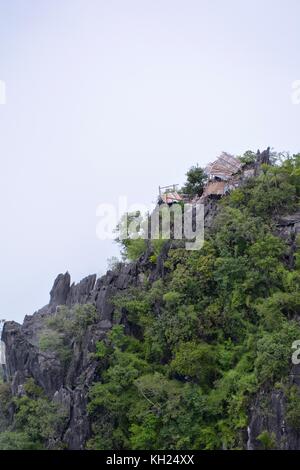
268,413
80,293
24,360
263,157
68,387
60,290
288,228
290,223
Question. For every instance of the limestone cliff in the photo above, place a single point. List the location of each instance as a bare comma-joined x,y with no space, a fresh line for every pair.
70,386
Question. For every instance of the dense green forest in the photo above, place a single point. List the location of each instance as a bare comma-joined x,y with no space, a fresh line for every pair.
199,344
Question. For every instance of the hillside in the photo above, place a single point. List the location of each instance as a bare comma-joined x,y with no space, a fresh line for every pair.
174,349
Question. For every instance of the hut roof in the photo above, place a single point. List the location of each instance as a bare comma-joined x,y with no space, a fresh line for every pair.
224,167
171,197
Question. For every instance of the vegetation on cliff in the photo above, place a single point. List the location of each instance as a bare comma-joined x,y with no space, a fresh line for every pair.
216,329
182,369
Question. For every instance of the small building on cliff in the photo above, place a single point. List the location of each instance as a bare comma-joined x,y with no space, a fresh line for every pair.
220,174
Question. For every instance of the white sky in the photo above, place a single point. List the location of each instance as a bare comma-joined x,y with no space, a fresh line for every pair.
120,96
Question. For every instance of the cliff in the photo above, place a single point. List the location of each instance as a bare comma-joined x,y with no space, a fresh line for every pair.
24,359
70,386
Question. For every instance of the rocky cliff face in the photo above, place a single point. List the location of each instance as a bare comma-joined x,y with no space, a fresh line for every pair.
268,413
268,410
70,387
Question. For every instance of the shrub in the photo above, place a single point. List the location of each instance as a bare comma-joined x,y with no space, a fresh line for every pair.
248,157
52,341
274,353
64,327
5,400
130,235
18,441
196,361
267,440
293,408
195,180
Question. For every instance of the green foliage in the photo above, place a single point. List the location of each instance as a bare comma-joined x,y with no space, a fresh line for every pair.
293,408
267,440
274,352
196,361
158,245
116,393
101,350
36,419
248,157
195,180
17,441
32,390
5,400
274,192
135,248
52,341
188,353
210,335
131,234
65,326
73,321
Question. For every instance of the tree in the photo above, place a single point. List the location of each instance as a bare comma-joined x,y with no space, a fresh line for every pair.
131,235
248,157
196,179
17,441
195,361
36,420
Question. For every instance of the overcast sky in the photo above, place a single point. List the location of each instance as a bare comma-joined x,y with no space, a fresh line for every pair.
116,97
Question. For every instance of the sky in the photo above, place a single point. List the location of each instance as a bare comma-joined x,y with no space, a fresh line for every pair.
114,98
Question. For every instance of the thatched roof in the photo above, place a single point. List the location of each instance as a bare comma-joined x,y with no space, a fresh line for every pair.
171,197
224,167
